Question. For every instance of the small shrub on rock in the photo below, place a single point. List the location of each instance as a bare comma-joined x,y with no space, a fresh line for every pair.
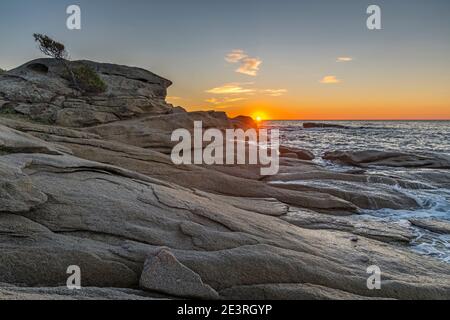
88,80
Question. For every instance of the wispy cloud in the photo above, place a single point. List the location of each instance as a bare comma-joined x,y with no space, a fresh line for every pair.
236,56
248,65
239,89
344,59
274,92
231,88
225,100
330,80
229,94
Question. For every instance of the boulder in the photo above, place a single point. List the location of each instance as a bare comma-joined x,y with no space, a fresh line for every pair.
389,159
164,273
433,225
312,125
297,153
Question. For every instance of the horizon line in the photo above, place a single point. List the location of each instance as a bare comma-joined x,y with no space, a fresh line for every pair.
356,120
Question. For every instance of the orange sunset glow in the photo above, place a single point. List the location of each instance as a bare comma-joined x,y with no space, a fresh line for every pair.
371,76
427,101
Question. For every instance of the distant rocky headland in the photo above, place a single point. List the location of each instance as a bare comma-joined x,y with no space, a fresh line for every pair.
86,179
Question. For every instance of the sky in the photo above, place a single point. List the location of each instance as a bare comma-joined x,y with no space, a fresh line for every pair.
283,59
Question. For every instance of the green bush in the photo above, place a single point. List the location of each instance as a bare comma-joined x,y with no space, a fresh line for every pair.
87,79
2,71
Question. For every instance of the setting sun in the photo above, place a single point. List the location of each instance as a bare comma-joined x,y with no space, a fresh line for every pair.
259,116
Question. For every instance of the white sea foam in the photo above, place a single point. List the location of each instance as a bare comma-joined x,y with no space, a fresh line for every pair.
434,204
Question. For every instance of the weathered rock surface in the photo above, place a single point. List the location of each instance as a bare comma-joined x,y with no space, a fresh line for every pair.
8,292
437,226
435,178
363,195
38,91
287,291
389,159
152,163
390,233
164,273
107,197
110,221
155,131
12,141
365,191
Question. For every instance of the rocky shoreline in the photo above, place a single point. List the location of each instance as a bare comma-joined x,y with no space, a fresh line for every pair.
87,180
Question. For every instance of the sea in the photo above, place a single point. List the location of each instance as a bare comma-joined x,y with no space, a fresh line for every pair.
404,136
